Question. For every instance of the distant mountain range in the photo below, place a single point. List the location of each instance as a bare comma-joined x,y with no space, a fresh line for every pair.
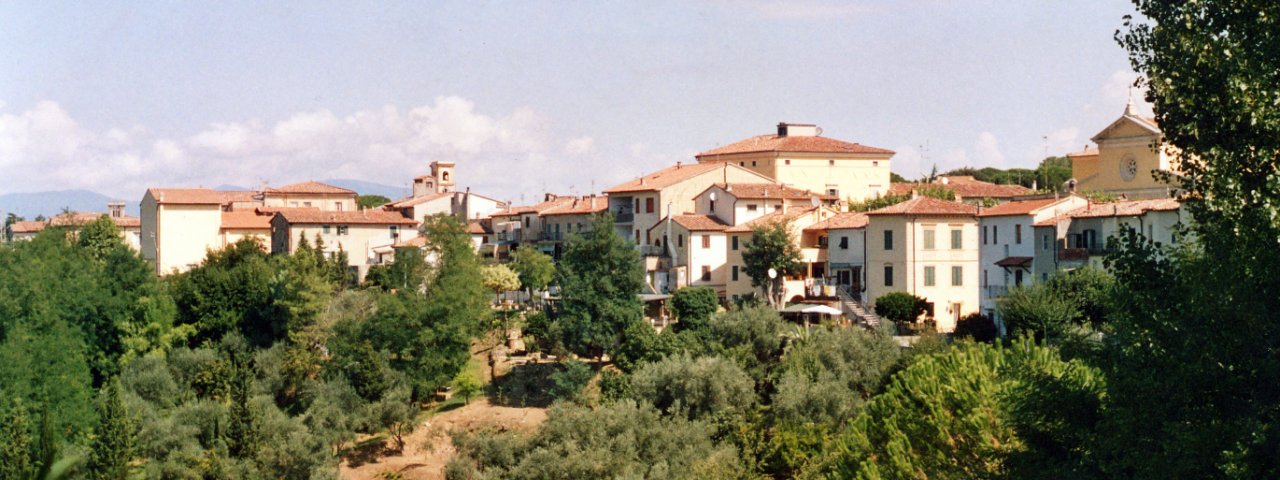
49,203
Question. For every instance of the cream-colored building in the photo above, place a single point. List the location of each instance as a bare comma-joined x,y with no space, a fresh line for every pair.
639,204
181,225
436,193
130,227
846,242
570,216
1081,236
1127,157
1008,248
813,252
798,156
310,195
929,248
364,235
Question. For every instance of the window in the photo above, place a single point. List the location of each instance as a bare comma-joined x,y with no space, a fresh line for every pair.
648,205
753,163
706,273
995,234
680,240
777,207
342,229
888,275
735,273
324,229
293,204
735,242
929,243
1017,277
706,241
1017,234
337,206
306,204
822,242
788,162
985,281
1151,234
637,236
844,243
395,231
444,176
888,239
831,163
929,279
637,205
1045,242
713,206
875,163
752,207
835,192
742,164
957,276
526,222
957,239
984,234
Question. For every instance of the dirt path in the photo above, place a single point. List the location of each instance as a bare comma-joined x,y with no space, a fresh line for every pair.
428,448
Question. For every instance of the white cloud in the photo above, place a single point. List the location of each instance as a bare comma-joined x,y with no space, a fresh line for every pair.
579,145
44,148
796,9
986,151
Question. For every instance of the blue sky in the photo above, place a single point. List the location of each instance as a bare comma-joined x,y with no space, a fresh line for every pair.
533,96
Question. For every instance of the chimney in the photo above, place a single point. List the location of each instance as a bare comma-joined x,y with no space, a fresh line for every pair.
678,163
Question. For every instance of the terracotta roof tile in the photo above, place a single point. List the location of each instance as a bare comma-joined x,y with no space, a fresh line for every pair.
846,220
668,176
1023,207
965,186
697,223
578,206
365,217
199,196
479,227
27,226
1127,208
411,201
771,217
415,242
771,191
804,144
243,220
310,187
927,206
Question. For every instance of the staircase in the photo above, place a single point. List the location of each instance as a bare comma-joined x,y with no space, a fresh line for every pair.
854,310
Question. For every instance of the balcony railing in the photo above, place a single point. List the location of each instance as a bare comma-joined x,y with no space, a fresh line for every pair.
650,250
624,217
1069,254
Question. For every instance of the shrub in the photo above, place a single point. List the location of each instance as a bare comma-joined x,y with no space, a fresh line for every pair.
900,307
693,389
693,307
567,382
977,326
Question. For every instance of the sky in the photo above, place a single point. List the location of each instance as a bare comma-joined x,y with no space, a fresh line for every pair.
530,97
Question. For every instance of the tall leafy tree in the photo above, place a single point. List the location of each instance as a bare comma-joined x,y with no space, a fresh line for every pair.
1204,316
600,279
771,248
536,269
229,292
112,445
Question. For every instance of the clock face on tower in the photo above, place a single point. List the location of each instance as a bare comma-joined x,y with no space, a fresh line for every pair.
1128,167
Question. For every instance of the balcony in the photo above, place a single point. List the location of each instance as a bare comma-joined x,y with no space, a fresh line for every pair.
1073,254
997,291
623,217
651,251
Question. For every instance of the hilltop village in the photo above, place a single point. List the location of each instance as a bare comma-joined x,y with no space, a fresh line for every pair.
957,242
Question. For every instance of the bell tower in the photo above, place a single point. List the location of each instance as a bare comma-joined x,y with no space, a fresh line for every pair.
442,172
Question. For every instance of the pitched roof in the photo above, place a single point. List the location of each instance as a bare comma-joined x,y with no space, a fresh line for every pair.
199,196
75,219
361,217
243,220
411,201
805,144
771,217
27,226
697,223
585,205
668,176
1087,152
964,186
478,227
926,206
771,191
310,187
1124,208
1021,207
846,220
415,242
555,201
